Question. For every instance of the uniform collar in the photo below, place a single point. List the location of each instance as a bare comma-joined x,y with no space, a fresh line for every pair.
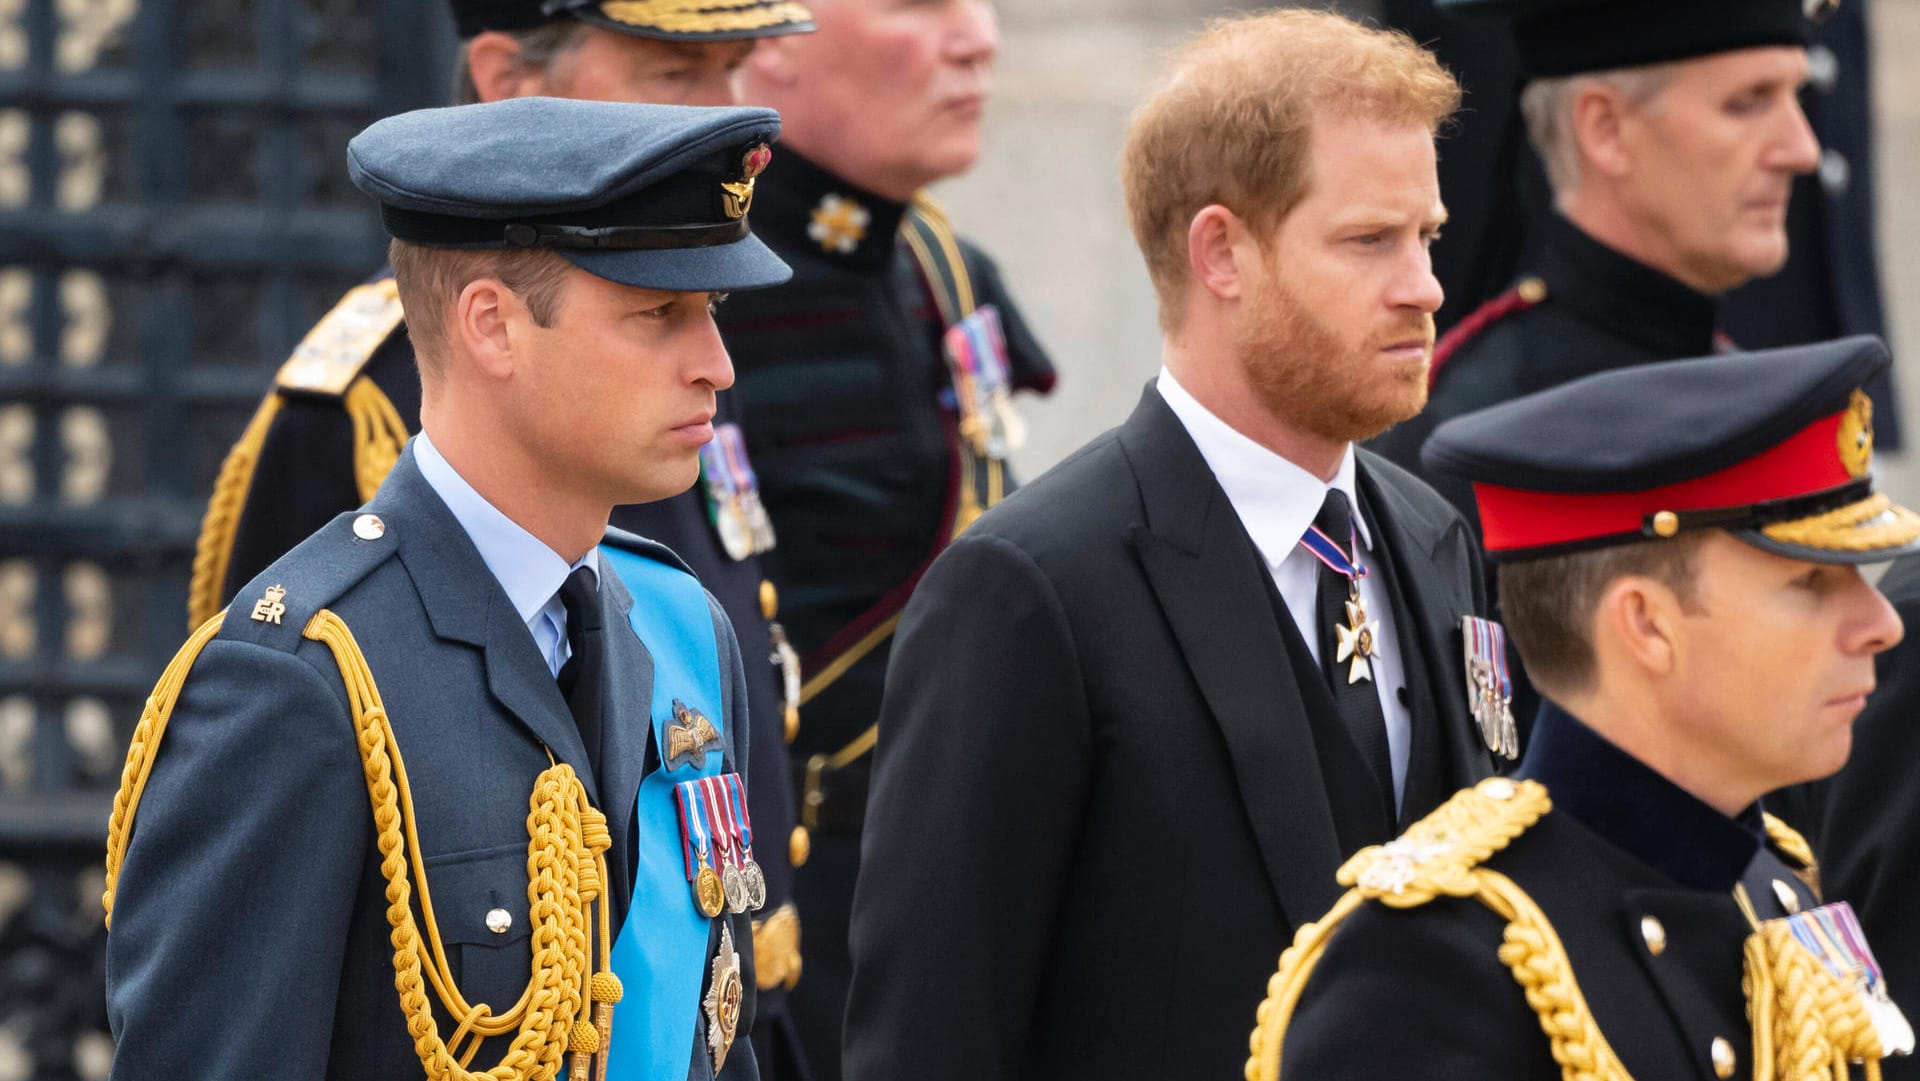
1635,808
528,570
1275,499
804,209
1662,315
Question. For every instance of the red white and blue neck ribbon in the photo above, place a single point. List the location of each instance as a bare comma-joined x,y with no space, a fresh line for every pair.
1328,551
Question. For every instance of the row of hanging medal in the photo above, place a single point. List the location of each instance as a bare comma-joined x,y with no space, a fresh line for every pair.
982,372
716,837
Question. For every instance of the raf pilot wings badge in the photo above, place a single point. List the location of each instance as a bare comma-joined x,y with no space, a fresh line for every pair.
690,736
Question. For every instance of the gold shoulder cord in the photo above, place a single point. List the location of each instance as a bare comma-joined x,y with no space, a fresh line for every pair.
1440,857
1807,1024
566,860
327,362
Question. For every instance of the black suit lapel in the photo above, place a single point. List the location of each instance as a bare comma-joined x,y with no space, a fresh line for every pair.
465,603
1207,577
1432,591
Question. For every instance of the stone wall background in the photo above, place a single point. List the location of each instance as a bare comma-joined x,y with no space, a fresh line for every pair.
1045,200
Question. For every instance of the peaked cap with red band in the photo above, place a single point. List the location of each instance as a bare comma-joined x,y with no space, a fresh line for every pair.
1775,447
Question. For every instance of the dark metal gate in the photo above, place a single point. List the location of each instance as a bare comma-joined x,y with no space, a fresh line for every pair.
174,214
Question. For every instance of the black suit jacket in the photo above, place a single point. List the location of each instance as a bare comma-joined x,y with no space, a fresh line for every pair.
1102,799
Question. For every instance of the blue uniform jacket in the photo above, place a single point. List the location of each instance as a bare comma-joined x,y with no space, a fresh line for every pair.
249,931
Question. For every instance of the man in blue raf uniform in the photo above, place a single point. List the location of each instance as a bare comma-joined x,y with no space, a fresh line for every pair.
875,391
457,780
1676,548
1671,135
333,423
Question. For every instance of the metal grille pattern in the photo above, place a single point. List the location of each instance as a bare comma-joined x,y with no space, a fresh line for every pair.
174,214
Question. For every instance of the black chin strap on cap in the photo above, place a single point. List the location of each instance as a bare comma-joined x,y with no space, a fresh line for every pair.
1669,523
443,231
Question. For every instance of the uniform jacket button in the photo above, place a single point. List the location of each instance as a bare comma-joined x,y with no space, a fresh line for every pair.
499,921
1724,1060
1789,900
1655,933
369,527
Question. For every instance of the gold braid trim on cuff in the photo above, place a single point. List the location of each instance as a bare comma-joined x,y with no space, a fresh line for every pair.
705,16
213,553
378,435
1874,522
566,860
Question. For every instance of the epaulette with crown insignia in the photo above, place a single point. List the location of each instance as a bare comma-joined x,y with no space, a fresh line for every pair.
1441,856
1436,856
332,355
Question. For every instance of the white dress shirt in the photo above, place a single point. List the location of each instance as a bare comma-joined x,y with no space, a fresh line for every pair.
1276,501
528,570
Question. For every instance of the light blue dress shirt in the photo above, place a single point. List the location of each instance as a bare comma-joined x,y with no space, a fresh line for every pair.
527,569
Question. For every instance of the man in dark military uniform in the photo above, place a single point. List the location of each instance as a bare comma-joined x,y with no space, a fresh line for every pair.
1863,820
333,424
1676,547
457,780
1140,712
1671,135
874,391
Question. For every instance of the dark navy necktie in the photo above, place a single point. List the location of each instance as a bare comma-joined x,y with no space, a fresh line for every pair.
1359,703
580,677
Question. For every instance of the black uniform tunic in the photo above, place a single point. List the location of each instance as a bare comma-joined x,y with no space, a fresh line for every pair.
1422,992
1862,820
304,477
847,406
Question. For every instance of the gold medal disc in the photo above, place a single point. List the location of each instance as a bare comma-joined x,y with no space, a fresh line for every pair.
708,893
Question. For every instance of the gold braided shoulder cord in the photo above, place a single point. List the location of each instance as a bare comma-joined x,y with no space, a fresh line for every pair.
378,434
1807,1024
566,866
1790,843
214,550
1440,857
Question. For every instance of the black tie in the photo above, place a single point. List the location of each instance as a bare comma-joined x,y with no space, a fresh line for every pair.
1359,703
580,676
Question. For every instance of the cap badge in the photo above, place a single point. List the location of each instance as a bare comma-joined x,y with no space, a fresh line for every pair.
738,195
839,224
1856,435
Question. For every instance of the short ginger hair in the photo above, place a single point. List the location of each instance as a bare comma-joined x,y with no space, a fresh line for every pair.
1230,120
